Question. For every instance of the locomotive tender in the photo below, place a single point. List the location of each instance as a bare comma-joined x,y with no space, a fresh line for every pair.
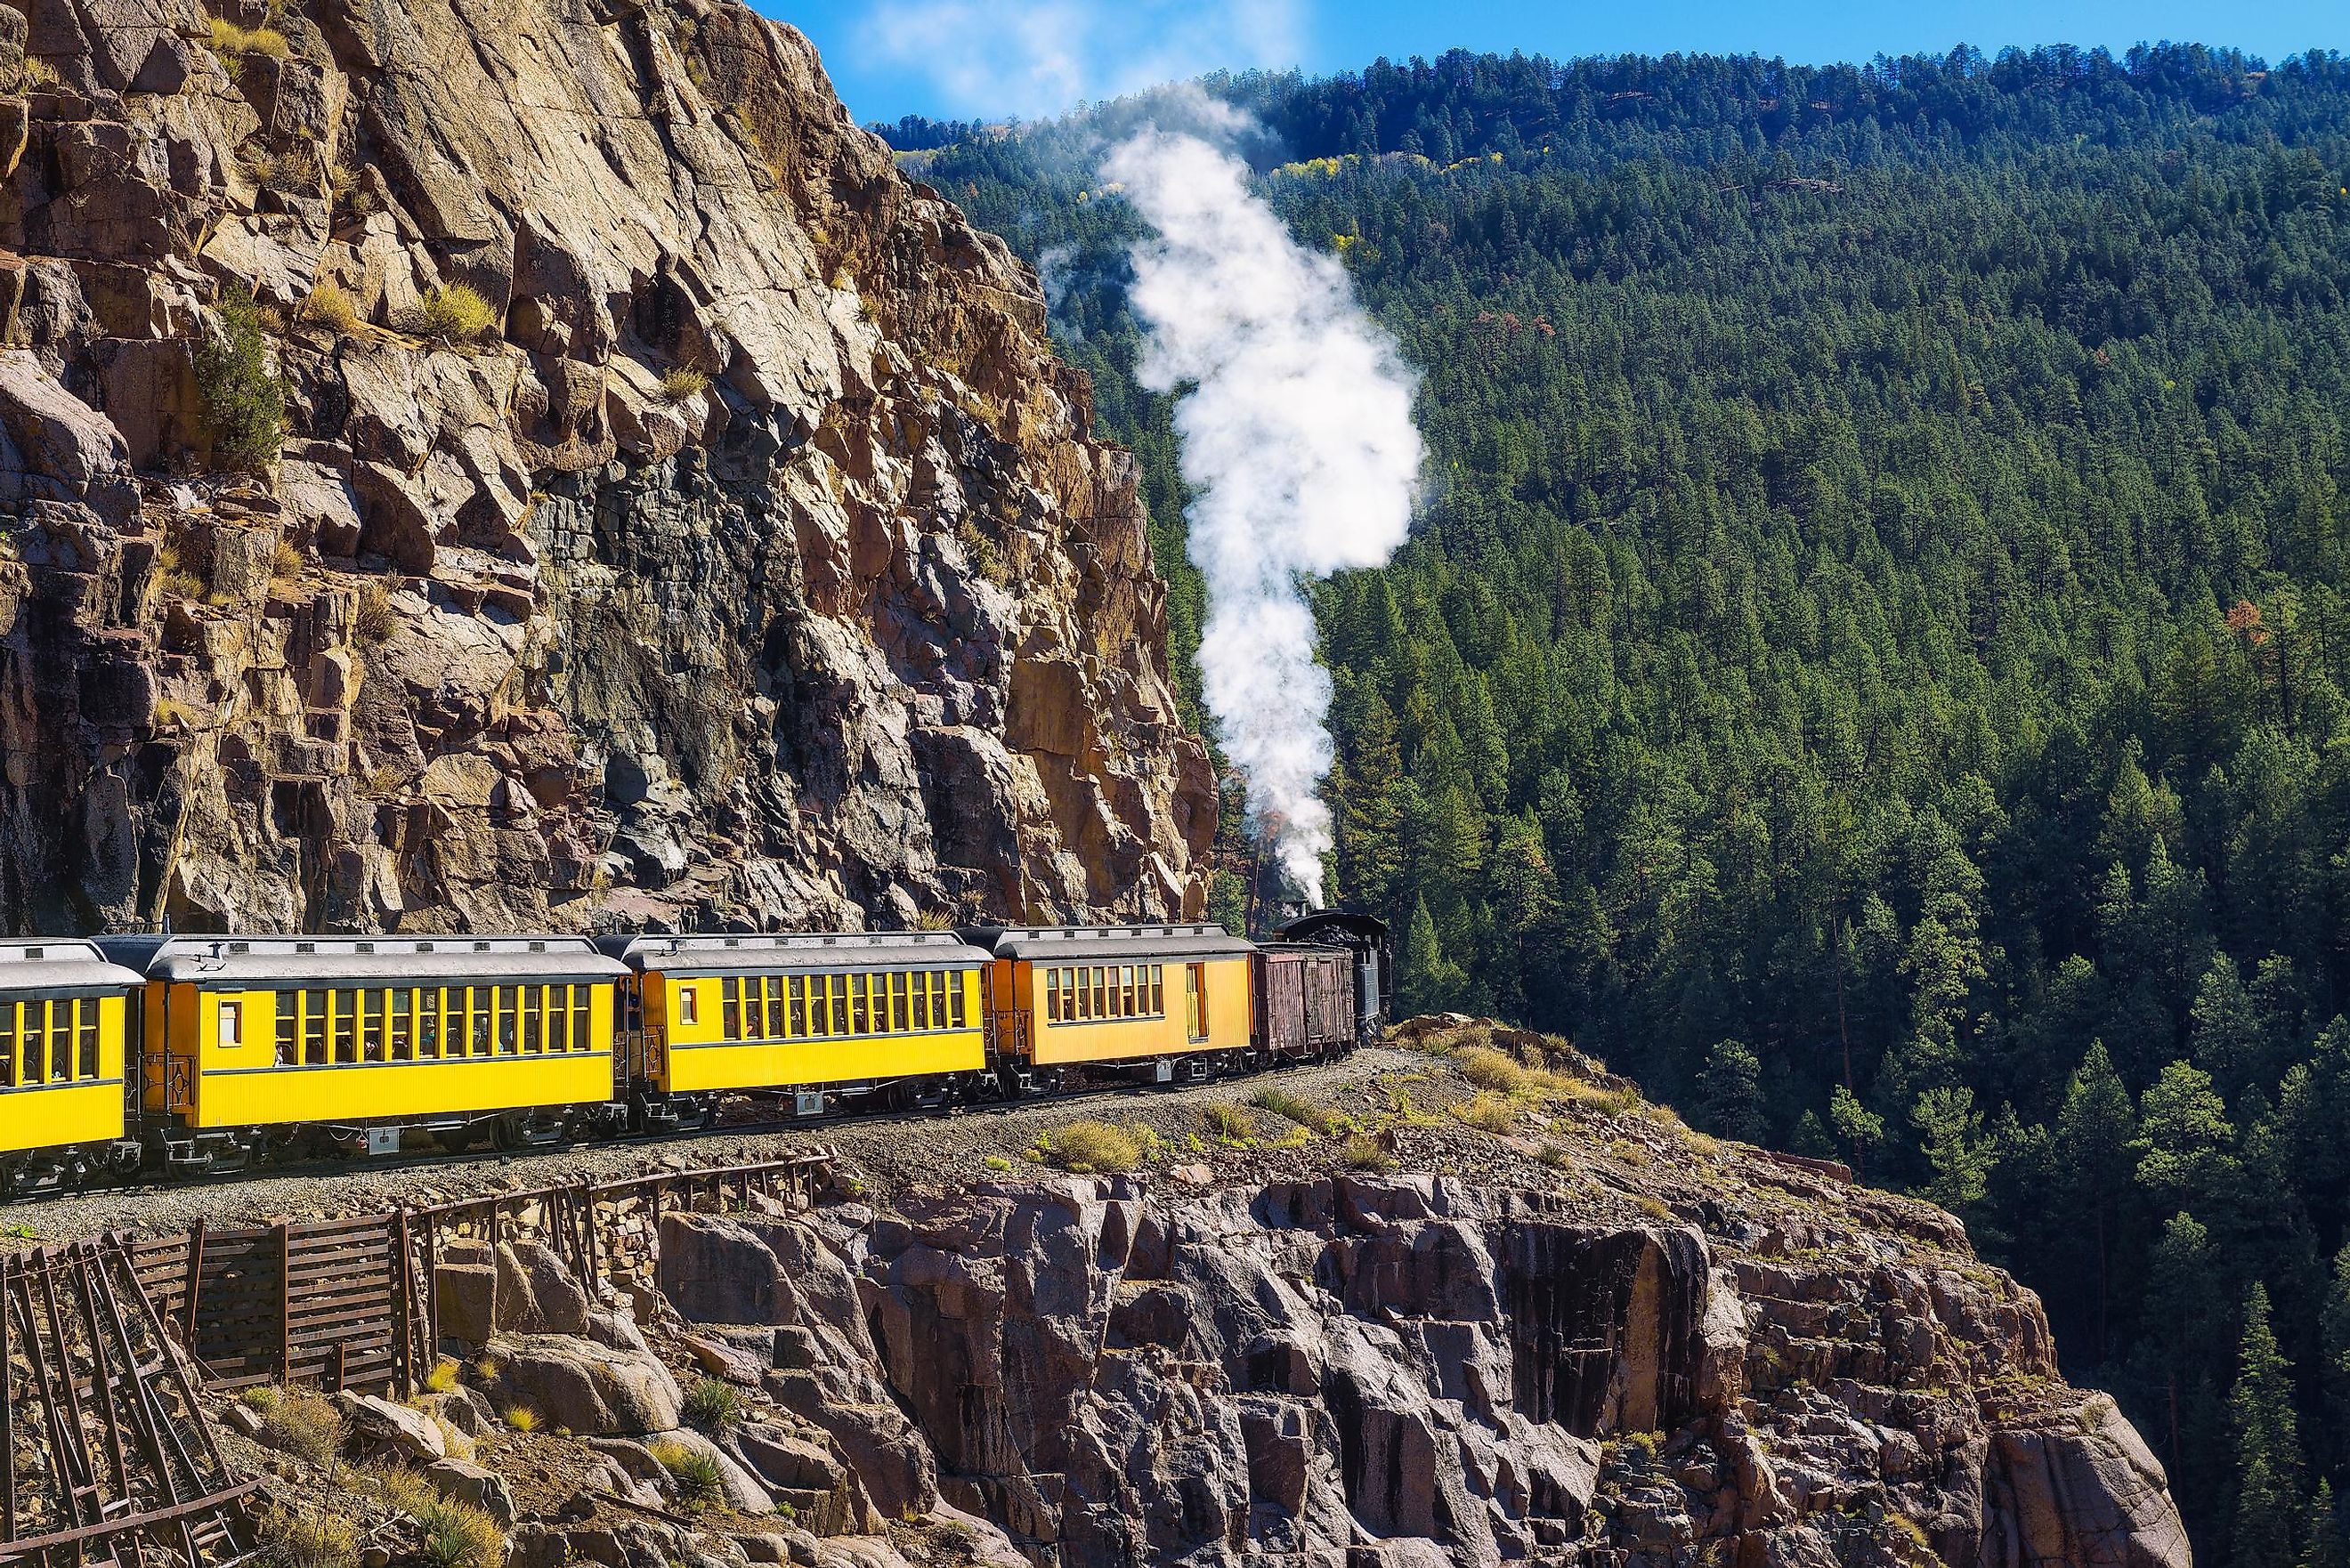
181,1054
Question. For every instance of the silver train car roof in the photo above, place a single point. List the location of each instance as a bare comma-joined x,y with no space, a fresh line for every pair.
293,963
54,966
1108,944
793,952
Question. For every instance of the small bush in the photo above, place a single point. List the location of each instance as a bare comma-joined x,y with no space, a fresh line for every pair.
1489,1112
520,1418
300,1539
456,314
401,1489
261,1396
996,1162
1305,1113
372,621
244,401
1090,1148
1365,1152
1228,1122
39,73
459,1535
286,561
683,381
1492,1070
329,307
710,1403
982,551
696,1475
229,41
306,1424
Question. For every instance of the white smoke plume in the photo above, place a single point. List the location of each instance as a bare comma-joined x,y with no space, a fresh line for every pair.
1295,412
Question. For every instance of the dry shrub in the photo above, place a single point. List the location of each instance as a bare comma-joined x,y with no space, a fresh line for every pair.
374,620
39,73
1091,1147
304,1423
459,1535
1489,1112
291,1538
229,41
1365,1152
456,314
399,1488
1493,1070
680,382
328,306
696,1475
284,561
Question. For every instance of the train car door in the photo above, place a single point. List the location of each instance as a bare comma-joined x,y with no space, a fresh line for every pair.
1195,1000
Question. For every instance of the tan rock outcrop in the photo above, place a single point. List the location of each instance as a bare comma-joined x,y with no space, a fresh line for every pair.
753,566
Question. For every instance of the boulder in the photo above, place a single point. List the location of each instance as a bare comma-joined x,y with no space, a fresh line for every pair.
380,1426
587,1387
462,1481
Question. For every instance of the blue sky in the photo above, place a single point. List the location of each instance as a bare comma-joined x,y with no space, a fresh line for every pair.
993,58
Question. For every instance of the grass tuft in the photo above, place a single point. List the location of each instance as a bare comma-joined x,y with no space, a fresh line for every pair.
1489,1112
331,306
1305,1113
459,1535
520,1418
1228,1122
1092,1147
699,1480
680,382
712,1404
304,1423
456,314
291,1538
1365,1152
231,42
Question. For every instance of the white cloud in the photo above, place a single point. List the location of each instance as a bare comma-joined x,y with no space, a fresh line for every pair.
1031,59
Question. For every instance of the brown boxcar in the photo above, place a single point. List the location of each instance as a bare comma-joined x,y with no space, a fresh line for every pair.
1304,1000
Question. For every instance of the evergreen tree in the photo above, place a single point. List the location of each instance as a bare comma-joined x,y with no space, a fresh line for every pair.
1730,1093
2094,1162
1951,1137
2269,1504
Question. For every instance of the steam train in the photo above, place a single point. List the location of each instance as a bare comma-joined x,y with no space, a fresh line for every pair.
185,1054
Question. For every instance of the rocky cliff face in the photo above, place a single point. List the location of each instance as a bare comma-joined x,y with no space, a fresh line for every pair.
1425,1371
751,564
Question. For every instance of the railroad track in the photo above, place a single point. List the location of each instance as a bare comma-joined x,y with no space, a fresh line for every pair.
443,1159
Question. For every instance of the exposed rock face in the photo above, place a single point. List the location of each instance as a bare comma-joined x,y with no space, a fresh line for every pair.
542,629
1416,1370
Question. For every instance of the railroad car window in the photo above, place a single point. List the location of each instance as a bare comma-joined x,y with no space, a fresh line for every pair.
579,995
1067,987
481,1008
509,1021
231,1024
314,1028
1126,1007
373,1006
794,988
1158,991
689,1005
954,998
7,1045
347,1004
898,1017
730,1006
35,1061
61,1038
427,1023
1101,990
771,994
558,1018
534,1019
287,1005
1052,996
87,1068
860,1020
402,1025
839,986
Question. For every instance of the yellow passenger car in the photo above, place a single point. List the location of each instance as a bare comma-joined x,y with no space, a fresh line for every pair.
1174,999
896,1013
346,1042
62,1008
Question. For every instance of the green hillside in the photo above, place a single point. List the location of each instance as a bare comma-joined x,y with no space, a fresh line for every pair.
1873,663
